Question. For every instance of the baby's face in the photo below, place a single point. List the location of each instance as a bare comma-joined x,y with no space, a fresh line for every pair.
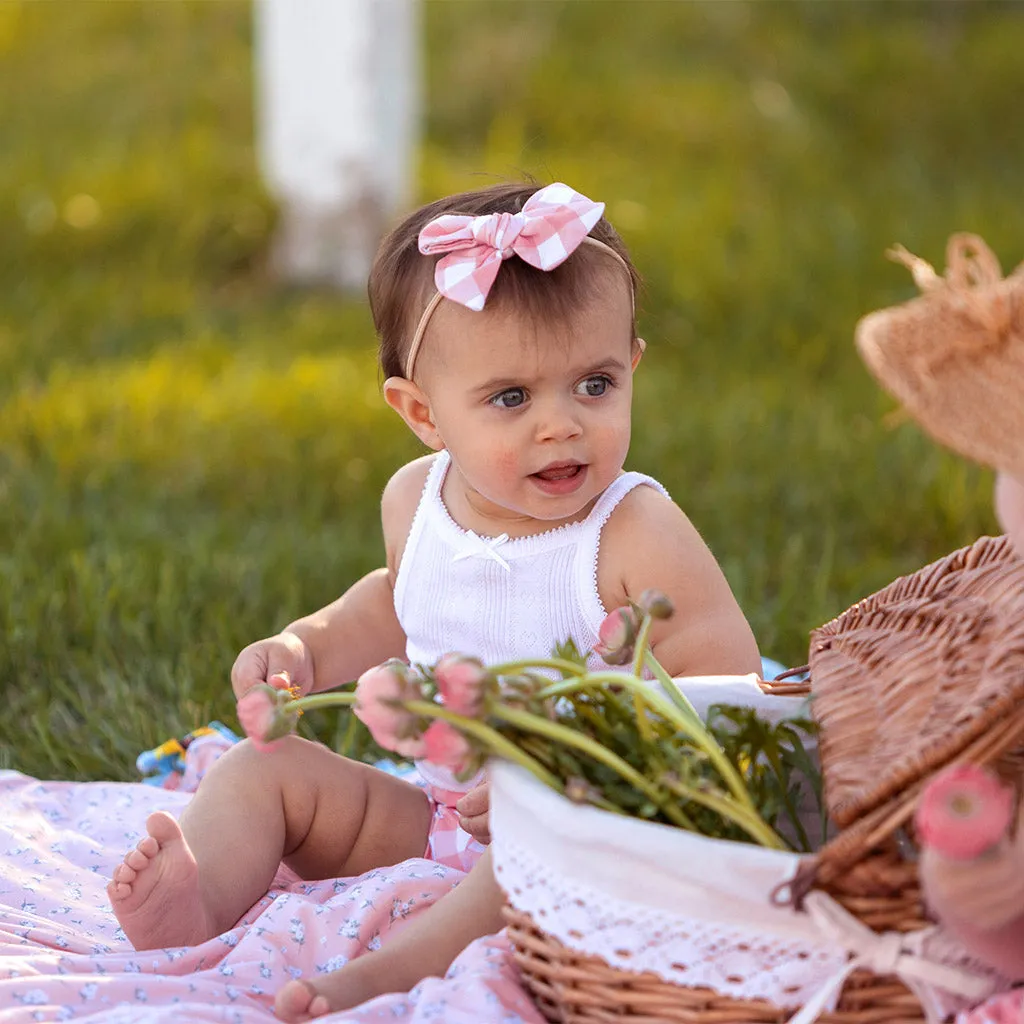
1009,501
537,421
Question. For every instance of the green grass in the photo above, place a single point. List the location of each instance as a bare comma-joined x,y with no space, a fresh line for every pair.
191,455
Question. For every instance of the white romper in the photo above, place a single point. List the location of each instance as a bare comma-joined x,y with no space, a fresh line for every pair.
497,599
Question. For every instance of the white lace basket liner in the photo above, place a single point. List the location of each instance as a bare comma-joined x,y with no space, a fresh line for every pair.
698,912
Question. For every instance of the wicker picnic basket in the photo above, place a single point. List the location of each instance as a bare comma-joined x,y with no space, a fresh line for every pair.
928,671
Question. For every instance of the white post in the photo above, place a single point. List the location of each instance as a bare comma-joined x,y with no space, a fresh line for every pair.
337,104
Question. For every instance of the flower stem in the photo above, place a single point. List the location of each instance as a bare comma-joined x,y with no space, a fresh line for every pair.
330,699
497,744
639,707
533,723
511,668
491,737
692,728
751,823
669,685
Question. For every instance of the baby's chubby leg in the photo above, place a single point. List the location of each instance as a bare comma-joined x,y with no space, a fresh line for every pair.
423,948
297,801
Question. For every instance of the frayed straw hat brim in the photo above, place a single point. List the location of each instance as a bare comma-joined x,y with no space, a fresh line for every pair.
954,356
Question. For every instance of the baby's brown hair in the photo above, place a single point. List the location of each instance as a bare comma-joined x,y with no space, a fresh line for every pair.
402,278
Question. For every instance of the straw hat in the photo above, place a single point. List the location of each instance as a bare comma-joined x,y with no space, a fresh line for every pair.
954,356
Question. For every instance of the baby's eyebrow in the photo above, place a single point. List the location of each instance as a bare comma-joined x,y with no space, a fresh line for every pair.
605,364
496,384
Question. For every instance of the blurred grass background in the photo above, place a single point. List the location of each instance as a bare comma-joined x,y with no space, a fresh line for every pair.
191,455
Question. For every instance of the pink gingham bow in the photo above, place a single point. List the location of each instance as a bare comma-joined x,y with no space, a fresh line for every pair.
548,229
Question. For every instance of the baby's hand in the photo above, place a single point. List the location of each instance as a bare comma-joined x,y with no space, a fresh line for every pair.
473,811
282,661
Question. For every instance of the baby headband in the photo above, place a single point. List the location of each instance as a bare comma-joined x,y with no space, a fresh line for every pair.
551,225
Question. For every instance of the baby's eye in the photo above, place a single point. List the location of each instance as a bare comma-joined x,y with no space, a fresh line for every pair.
510,398
594,387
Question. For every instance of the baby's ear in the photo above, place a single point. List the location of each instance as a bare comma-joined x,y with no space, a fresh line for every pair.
412,405
639,347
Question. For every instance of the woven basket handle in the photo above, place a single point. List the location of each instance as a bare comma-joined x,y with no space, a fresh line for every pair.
855,842
782,686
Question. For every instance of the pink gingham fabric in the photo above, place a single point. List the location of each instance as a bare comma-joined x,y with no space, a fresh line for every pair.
549,228
448,843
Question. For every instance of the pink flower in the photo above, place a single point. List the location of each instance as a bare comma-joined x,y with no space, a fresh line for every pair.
616,636
263,716
381,693
461,681
963,812
446,746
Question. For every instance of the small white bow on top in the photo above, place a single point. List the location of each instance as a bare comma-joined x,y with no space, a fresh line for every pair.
484,547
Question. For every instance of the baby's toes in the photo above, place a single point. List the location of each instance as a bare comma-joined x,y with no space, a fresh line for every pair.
137,859
125,874
319,1006
118,891
295,1001
148,847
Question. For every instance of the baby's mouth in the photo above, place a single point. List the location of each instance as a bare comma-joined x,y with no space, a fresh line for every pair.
559,471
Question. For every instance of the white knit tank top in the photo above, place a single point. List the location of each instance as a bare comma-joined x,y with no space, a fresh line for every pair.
500,598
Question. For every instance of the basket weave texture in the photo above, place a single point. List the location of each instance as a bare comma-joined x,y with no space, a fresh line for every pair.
906,678
927,671
954,356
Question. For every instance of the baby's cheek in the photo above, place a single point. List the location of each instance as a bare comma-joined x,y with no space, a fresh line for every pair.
505,462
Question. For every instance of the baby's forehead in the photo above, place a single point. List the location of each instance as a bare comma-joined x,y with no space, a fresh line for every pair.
514,343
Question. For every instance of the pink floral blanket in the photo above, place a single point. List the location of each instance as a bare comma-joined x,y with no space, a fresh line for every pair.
63,957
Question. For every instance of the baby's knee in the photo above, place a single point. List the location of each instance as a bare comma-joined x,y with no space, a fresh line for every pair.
260,760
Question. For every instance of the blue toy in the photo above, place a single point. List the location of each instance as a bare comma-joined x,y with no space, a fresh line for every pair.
162,765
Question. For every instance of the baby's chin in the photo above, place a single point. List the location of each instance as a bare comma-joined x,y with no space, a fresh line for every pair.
1009,501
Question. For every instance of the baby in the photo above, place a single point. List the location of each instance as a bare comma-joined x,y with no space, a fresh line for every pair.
506,319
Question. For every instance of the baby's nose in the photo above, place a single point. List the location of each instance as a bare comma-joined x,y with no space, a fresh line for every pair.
558,421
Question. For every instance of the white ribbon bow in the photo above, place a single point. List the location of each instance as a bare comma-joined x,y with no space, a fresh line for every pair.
485,547
888,953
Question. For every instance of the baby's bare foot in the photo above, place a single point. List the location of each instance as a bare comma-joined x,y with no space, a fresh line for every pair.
349,986
155,891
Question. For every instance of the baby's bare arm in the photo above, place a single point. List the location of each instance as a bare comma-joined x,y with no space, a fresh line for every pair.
353,633
649,543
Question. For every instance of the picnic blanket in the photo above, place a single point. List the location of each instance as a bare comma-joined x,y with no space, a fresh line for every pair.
63,956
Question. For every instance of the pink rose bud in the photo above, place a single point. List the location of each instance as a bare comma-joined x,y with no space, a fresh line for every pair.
380,696
656,604
262,714
446,746
616,636
461,682
964,811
